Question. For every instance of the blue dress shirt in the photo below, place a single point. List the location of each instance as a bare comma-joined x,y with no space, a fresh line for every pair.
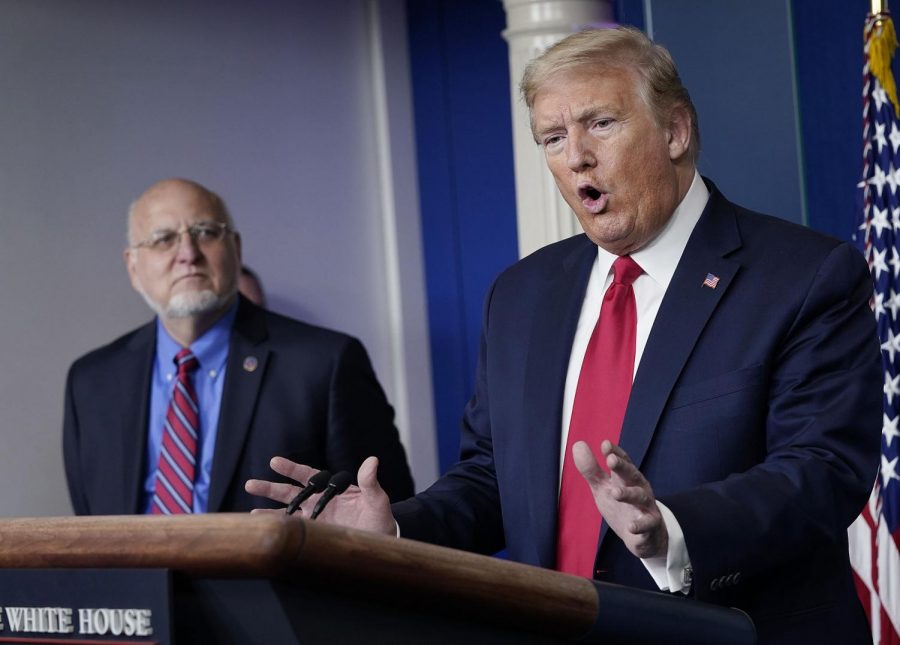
211,350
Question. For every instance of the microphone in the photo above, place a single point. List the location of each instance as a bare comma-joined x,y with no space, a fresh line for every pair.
316,484
337,485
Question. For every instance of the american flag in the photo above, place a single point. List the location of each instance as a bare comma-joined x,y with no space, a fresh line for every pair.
875,535
711,281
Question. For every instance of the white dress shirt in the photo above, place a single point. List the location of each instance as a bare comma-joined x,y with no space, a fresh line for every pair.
658,260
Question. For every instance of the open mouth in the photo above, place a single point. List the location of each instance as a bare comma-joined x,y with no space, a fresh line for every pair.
589,192
593,199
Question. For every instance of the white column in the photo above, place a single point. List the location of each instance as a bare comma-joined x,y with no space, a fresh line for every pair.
531,27
398,208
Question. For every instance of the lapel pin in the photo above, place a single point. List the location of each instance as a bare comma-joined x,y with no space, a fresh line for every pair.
250,364
711,281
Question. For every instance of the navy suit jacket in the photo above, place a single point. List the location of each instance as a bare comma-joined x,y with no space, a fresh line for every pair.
755,414
312,398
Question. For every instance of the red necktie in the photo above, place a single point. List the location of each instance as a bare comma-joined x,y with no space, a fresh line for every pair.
597,413
178,452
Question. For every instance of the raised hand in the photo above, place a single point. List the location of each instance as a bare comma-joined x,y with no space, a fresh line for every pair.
364,507
625,499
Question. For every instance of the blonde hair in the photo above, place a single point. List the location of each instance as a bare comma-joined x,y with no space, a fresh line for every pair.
627,48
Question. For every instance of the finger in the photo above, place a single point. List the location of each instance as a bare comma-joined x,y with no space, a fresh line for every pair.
609,448
368,478
615,455
587,464
291,469
645,524
267,511
277,492
620,465
649,537
637,496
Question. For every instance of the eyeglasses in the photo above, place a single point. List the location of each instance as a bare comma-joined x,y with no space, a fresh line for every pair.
202,234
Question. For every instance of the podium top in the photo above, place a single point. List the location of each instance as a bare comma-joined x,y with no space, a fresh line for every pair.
244,545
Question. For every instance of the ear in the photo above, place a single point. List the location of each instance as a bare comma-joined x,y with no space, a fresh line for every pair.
130,257
679,132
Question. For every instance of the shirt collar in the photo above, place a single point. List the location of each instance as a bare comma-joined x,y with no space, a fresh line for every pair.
211,348
659,258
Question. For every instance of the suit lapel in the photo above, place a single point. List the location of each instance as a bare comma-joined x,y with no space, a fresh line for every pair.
684,312
248,355
133,381
549,345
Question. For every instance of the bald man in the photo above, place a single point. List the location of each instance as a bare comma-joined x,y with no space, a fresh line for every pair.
174,416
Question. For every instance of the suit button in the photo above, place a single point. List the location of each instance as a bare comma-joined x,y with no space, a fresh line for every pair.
714,585
737,577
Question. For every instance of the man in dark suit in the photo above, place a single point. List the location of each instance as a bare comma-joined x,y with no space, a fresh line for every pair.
263,384
747,437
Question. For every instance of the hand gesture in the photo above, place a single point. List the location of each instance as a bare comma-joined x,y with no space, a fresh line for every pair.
625,499
364,507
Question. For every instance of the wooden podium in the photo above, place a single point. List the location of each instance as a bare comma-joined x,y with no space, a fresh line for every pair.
237,578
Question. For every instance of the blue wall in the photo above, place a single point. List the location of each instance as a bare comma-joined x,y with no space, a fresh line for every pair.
828,36
735,59
460,76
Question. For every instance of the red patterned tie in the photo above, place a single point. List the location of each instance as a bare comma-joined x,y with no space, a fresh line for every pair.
178,452
597,413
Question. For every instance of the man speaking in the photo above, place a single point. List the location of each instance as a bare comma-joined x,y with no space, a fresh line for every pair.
685,398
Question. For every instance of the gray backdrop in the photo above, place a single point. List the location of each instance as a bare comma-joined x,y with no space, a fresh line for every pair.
270,104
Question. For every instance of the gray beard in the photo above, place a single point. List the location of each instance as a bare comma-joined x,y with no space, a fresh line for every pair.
187,305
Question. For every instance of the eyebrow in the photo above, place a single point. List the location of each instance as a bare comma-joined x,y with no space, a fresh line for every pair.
199,221
584,114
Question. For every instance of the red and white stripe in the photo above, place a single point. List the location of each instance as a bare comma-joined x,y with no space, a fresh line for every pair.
875,558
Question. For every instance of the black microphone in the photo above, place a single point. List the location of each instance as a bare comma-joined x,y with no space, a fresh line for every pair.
337,485
316,484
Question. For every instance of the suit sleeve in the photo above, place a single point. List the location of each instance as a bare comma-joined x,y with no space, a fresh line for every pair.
821,438
361,423
72,452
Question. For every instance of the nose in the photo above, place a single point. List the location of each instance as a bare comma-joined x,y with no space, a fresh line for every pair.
579,154
186,249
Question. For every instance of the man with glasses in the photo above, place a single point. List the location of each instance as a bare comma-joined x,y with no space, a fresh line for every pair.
176,415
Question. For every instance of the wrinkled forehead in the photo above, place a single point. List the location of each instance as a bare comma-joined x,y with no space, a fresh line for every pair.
585,88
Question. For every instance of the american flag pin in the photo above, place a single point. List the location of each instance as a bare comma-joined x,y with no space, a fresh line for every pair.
711,281
250,364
